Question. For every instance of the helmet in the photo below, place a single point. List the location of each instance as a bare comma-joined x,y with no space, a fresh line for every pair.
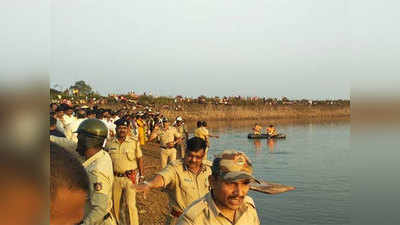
93,127
179,118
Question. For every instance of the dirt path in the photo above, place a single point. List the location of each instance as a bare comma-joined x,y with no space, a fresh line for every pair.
154,209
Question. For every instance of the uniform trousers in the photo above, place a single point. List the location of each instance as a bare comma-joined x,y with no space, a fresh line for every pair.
124,184
167,155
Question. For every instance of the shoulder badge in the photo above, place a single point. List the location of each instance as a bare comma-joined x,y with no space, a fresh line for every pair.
97,186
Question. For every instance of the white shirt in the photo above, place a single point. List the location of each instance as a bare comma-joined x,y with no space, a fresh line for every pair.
68,119
72,127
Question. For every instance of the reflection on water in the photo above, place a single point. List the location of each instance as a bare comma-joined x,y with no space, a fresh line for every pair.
314,158
257,145
270,144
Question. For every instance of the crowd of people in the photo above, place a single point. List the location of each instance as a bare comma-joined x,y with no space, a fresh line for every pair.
96,158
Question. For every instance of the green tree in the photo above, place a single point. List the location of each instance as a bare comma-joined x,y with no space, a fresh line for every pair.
82,87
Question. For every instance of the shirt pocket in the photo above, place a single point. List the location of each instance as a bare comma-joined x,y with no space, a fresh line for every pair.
188,186
131,154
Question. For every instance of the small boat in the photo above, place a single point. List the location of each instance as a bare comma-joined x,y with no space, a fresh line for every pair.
265,136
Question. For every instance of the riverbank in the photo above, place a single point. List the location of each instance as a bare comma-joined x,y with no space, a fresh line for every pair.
211,112
236,113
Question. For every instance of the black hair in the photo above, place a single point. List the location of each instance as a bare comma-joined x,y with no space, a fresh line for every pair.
66,171
196,144
215,168
60,108
199,123
80,114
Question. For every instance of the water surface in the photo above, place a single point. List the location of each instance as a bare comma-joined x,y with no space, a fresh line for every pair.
314,158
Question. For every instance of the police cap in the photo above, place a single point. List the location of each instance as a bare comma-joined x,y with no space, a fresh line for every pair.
122,122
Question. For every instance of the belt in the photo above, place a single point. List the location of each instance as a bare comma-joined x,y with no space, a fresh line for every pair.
106,216
175,213
124,174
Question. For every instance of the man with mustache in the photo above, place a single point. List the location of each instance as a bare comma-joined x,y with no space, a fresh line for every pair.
227,203
127,159
186,180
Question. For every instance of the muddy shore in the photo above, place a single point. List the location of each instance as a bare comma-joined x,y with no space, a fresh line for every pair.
154,209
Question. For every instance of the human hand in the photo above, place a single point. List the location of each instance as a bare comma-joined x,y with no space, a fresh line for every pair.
142,187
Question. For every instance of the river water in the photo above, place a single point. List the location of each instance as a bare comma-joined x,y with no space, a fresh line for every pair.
314,158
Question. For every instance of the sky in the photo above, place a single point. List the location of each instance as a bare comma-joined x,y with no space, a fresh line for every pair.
297,49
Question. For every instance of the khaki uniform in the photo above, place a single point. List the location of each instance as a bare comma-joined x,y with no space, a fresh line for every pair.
182,145
167,136
99,169
183,186
124,156
205,212
202,133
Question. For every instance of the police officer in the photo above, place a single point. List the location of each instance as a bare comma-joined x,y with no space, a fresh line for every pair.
180,127
98,165
227,203
169,136
185,180
126,156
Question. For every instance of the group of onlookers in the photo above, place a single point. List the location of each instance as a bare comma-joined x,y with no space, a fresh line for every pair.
96,157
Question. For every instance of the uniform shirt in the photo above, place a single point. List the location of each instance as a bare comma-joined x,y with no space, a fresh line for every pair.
201,132
183,186
205,212
125,154
101,177
167,136
181,130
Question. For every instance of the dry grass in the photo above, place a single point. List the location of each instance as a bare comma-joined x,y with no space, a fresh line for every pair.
234,113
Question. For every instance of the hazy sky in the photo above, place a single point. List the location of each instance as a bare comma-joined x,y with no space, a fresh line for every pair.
275,48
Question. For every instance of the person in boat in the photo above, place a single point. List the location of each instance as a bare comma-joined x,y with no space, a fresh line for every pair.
257,129
271,131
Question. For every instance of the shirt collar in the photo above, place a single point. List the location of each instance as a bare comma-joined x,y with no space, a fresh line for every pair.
127,139
93,158
213,207
186,168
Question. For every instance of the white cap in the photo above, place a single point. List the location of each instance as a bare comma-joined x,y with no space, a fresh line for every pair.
179,118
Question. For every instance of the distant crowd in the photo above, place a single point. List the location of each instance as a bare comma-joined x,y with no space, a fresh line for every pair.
180,102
